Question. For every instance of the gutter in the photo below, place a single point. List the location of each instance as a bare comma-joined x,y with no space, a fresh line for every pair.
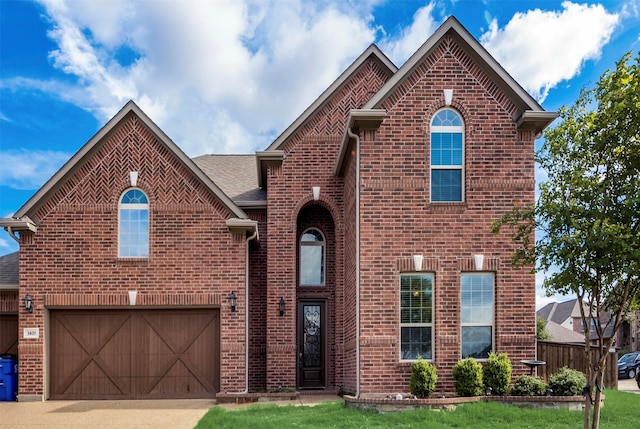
357,138
15,225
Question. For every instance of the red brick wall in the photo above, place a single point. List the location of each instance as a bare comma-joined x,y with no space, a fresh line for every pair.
398,220
258,335
350,273
310,158
73,261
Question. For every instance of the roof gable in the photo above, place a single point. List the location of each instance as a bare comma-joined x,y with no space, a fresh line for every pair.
274,154
75,163
536,117
371,51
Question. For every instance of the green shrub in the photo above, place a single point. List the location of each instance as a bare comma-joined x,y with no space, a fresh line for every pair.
527,385
423,378
567,382
468,377
496,373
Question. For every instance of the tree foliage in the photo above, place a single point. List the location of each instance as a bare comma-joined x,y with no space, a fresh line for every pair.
541,329
587,216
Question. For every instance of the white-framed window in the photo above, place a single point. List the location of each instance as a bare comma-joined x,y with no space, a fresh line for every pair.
416,316
447,156
133,224
312,258
477,314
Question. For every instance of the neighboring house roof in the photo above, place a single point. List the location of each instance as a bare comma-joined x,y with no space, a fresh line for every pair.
560,334
559,312
9,271
70,167
237,177
560,315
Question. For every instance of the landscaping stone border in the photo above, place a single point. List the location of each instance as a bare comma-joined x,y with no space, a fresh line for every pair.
386,405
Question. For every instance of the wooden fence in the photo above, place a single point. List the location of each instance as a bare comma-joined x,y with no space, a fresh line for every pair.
557,355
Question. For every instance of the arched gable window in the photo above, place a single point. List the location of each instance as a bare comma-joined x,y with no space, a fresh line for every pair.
447,149
312,257
133,224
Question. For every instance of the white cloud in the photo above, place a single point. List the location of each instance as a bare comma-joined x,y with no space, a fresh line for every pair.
412,37
6,246
27,170
541,49
222,76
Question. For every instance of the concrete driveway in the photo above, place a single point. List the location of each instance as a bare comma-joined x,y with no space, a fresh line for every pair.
156,414
174,414
178,414
628,385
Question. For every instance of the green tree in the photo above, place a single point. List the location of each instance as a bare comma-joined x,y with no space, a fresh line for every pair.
541,329
588,213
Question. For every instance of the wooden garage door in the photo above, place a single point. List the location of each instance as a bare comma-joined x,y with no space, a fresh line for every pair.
134,354
9,334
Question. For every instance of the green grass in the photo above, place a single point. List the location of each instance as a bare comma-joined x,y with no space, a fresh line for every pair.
621,411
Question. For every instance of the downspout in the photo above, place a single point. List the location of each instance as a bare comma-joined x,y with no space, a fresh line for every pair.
12,234
357,138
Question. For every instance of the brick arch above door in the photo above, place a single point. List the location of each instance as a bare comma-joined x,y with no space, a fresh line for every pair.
325,201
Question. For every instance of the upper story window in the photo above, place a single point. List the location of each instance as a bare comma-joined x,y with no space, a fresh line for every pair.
416,316
477,307
133,225
446,156
312,257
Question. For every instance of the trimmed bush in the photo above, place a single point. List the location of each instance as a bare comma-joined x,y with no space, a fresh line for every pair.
567,382
423,378
527,385
496,373
468,377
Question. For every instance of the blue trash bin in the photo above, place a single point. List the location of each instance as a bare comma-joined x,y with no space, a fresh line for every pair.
8,377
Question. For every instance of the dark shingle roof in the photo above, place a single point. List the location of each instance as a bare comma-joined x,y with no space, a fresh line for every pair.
9,276
236,175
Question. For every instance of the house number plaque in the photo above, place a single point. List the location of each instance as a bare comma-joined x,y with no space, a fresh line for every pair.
31,333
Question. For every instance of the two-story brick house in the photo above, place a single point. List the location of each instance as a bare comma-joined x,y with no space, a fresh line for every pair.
356,242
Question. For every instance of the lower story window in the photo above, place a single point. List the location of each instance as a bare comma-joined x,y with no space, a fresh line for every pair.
477,301
416,316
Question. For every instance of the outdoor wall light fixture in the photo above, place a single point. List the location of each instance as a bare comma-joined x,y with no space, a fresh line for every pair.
281,306
28,303
232,301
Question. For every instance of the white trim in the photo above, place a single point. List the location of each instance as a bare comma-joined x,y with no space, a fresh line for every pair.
448,129
134,206
492,324
417,325
323,243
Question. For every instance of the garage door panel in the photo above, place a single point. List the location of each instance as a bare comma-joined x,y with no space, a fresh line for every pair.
89,352
94,379
9,333
178,379
134,354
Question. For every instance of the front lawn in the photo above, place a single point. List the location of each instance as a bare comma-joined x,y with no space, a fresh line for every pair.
621,410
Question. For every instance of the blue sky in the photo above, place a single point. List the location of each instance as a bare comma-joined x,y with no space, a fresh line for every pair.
229,76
